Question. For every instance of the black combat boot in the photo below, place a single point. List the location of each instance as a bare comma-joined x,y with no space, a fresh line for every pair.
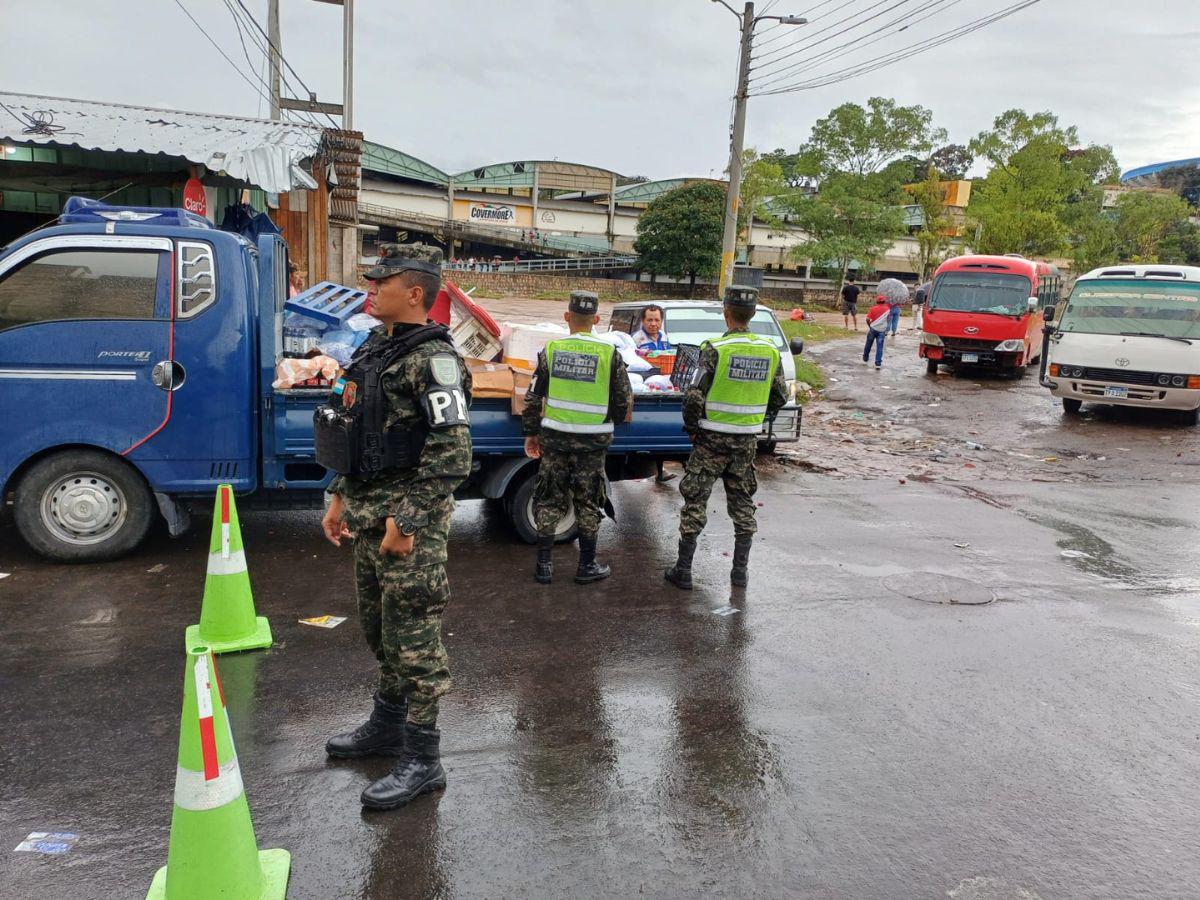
543,573
417,772
380,735
589,570
739,576
680,574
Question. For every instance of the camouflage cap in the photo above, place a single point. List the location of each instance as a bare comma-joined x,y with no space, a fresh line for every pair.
397,258
741,297
585,303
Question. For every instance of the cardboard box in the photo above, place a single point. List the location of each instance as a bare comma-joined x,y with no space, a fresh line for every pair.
490,379
521,382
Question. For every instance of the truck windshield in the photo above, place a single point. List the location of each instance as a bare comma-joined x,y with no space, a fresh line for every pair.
1134,307
692,326
979,292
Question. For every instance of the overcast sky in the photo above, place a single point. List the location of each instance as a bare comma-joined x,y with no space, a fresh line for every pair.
638,86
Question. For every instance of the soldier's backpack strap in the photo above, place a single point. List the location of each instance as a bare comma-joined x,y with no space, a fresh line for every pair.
409,341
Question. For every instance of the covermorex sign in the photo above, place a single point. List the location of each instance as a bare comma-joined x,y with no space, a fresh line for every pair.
493,213
749,368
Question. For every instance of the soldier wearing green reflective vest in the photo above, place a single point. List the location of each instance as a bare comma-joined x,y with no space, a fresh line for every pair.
739,385
579,389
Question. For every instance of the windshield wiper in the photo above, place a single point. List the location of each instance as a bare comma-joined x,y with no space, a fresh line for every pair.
1169,337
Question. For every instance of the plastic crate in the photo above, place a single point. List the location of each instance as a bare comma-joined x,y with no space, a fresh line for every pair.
327,302
687,366
473,339
664,361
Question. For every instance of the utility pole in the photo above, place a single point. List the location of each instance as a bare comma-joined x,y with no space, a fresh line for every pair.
273,39
736,141
347,64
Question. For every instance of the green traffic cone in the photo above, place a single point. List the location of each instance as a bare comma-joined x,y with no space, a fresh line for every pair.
227,619
213,852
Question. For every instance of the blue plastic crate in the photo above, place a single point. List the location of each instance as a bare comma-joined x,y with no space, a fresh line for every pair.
327,302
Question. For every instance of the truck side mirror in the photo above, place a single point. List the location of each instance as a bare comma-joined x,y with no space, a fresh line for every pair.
1050,313
797,346
1033,304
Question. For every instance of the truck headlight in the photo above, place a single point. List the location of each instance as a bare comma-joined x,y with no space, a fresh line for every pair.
931,339
1014,345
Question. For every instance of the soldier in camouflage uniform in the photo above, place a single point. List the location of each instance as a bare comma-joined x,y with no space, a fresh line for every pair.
399,519
723,421
579,390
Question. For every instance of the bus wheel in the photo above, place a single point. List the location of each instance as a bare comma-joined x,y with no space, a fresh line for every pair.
931,367
1071,406
83,506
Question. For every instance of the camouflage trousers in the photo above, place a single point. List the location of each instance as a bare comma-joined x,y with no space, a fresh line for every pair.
564,477
400,608
732,460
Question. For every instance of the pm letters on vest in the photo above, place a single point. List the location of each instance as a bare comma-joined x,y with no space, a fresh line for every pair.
749,368
573,366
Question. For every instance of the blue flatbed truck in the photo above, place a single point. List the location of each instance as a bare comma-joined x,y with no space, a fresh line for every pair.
137,353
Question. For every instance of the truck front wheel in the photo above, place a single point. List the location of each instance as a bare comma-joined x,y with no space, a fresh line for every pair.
520,511
1071,406
83,506
931,366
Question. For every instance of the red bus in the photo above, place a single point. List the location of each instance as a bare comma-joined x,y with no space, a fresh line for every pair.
988,312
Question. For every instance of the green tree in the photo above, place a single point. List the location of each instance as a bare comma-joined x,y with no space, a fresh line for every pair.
862,141
789,164
953,161
937,228
1181,246
762,179
1144,220
1041,195
680,232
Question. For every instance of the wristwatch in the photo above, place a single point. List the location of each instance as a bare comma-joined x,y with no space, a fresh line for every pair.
408,529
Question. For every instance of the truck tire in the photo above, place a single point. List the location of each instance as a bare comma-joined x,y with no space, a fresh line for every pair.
83,506
931,366
520,513
1191,416
768,448
1071,406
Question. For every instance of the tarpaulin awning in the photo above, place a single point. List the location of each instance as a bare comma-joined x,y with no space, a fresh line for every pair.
258,151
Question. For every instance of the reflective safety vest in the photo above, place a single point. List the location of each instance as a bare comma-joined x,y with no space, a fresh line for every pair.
741,385
580,369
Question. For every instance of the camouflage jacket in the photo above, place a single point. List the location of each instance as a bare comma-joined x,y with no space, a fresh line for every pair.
694,398
422,496
620,402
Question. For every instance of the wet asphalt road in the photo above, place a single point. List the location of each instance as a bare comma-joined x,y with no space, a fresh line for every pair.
834,738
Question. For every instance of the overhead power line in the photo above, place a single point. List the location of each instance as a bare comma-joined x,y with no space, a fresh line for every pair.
839,75
930,9
759,45
220,50
896,4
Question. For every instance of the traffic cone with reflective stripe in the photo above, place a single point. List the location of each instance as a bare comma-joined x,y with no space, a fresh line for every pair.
213,851
227,619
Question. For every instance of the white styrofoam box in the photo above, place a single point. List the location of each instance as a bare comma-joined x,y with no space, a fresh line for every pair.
523,343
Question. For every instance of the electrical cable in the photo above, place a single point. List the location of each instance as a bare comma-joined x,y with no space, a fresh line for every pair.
219,49
930,9
895,5
805,36
839,75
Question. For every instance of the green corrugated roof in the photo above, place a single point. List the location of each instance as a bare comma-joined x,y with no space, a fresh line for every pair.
378,158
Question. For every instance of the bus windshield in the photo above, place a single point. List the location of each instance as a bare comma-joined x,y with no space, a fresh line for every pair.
981,292
1134,307
693,326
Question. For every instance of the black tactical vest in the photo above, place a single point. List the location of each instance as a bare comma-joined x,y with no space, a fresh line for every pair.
350,433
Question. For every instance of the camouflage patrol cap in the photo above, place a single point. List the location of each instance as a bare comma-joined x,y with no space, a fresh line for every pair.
585,303
397,258
741,297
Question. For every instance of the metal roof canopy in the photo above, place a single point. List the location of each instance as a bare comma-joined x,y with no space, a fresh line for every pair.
389,161
1143,173
257,151
551,175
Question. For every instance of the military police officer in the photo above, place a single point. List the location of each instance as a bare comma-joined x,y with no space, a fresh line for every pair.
738,386
397,431
579,390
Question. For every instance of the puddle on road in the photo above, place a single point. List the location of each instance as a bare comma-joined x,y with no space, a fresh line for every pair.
933,587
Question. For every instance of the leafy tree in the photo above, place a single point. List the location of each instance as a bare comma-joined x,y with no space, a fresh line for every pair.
1181,246
680,232
953,161
1144,220
864,140
848,220
1183,180
762,179
1040,196
789,164
937,231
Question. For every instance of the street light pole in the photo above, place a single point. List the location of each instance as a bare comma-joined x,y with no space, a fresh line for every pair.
737,137
736,141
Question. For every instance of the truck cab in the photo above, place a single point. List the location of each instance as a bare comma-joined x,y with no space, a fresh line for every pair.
695,321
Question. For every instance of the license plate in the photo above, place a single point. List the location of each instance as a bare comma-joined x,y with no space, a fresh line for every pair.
1118,392
970,357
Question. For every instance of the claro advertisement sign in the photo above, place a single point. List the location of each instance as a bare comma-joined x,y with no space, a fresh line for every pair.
493,213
